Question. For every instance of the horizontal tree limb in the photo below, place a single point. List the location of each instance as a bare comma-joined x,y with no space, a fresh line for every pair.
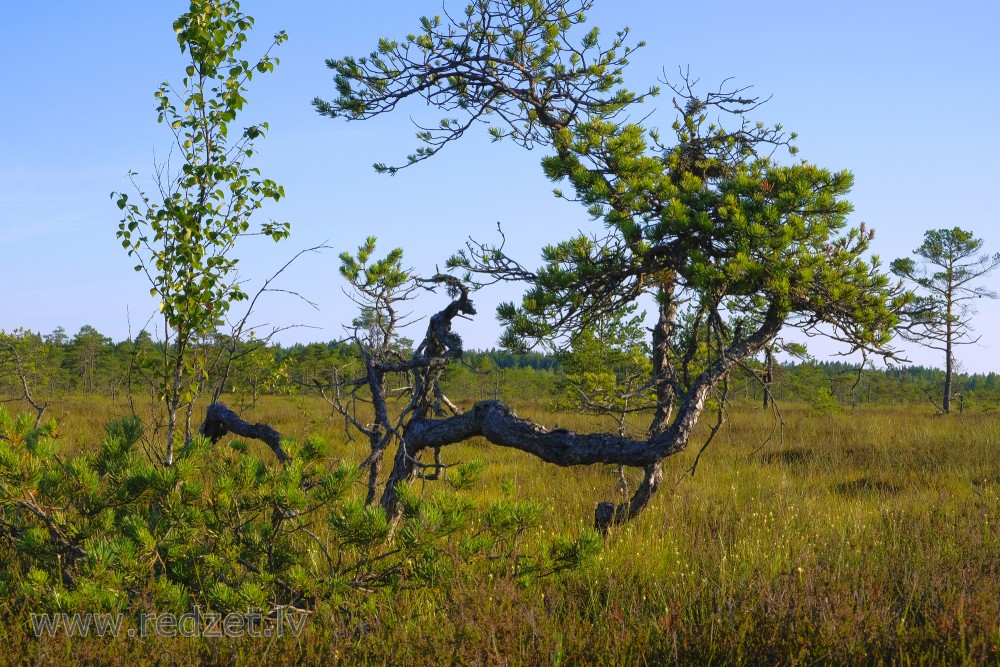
497,423
220,420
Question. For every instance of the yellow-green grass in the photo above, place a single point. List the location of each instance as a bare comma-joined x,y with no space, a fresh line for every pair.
864,537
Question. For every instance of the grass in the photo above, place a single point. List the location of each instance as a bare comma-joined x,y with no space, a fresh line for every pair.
862,537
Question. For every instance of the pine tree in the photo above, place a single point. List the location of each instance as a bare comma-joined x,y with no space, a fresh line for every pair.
941,317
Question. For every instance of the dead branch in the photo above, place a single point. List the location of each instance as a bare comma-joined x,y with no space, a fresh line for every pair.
220,420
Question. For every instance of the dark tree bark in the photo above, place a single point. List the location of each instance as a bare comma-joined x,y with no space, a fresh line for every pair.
949,354
498,424
220,420
768,374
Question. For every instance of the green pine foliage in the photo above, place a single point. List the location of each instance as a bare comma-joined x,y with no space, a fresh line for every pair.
951,262
115,530
607,367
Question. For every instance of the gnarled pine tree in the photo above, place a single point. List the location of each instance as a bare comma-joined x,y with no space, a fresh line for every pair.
732,245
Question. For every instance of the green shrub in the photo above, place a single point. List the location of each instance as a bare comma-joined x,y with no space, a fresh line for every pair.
116,530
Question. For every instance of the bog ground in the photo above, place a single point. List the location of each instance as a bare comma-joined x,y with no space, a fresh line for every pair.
864,537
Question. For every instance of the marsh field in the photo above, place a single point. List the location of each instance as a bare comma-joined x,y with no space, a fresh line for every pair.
386,504
867,536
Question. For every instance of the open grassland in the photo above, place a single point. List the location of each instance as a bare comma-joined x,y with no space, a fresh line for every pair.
864,537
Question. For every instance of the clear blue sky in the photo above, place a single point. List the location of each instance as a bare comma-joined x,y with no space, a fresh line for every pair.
904,94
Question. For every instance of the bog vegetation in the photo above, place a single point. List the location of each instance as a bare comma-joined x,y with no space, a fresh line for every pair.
865,535
708,502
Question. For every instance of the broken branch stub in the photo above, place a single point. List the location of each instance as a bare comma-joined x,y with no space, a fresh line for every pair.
220,420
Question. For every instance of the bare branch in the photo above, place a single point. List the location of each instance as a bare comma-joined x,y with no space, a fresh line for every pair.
220,420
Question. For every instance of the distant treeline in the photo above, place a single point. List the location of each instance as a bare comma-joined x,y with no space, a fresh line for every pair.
89,361
833,383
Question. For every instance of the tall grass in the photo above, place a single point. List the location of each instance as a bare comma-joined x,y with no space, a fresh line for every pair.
863,537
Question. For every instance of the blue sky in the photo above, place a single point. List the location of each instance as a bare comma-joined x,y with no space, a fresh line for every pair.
903,94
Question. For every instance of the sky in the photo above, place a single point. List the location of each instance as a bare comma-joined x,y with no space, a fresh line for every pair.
903,94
